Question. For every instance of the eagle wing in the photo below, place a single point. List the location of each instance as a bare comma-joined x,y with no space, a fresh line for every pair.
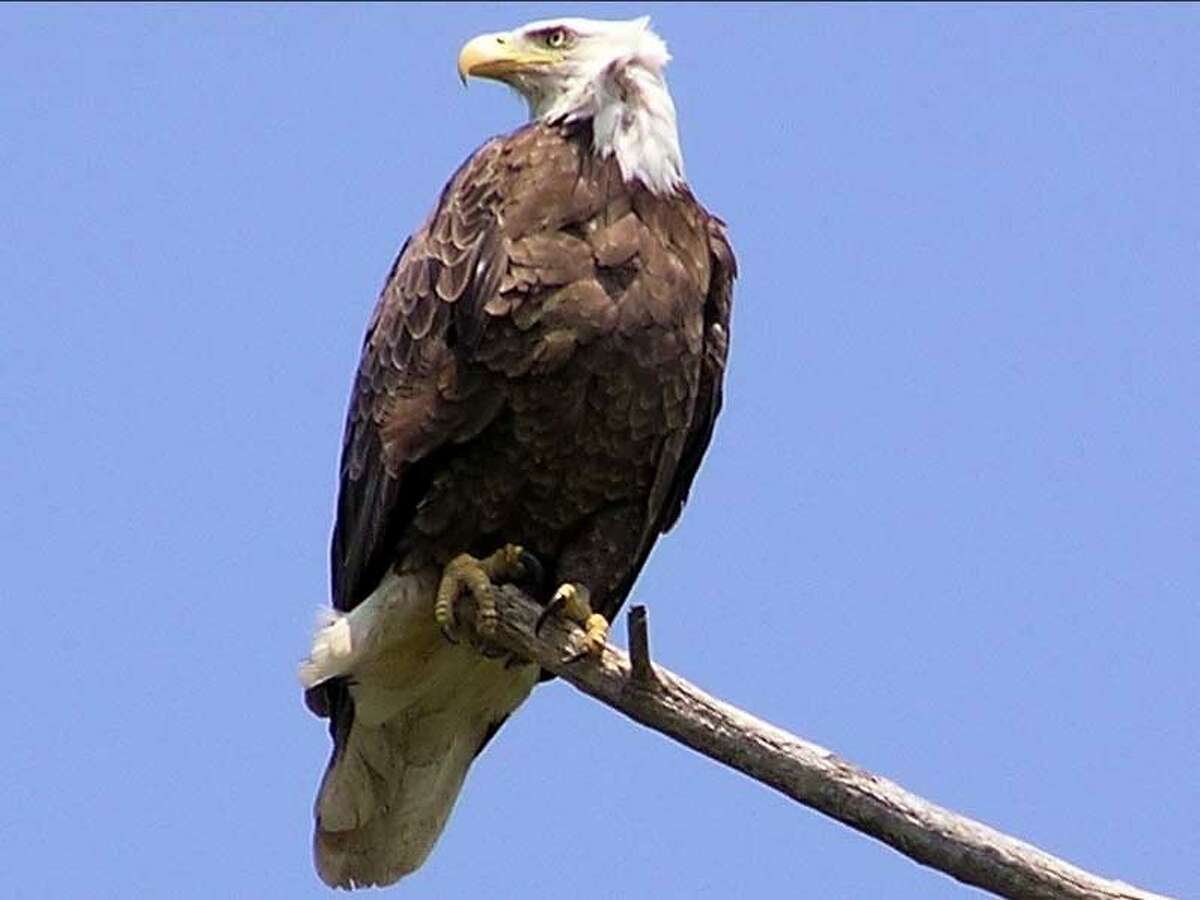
681,462
414,395
717,307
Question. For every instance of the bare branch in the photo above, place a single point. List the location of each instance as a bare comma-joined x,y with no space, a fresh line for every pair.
812,775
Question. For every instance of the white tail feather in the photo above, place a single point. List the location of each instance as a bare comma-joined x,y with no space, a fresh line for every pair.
421,708
383,804
332,649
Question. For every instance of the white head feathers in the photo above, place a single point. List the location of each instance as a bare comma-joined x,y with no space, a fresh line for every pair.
609,72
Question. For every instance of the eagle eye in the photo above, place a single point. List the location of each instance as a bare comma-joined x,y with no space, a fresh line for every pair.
557,38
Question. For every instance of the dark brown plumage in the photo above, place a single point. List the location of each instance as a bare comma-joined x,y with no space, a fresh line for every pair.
544,367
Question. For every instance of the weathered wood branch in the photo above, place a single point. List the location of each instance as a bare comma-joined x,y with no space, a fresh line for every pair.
967,850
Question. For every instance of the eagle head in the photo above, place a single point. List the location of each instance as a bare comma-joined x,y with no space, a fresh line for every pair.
610,72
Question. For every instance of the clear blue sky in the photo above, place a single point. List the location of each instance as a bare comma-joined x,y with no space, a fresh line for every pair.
949,525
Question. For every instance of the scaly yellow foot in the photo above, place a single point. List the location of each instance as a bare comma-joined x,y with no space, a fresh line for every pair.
477,576
573,602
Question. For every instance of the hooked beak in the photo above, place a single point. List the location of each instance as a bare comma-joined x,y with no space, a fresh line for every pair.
496,56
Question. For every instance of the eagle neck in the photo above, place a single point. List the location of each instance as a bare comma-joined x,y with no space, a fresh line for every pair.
633,120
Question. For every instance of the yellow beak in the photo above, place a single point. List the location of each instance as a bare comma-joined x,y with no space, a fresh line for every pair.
495,56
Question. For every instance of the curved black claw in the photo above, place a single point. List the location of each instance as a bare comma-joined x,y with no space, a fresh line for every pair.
447,635
532,575
552,608
574,657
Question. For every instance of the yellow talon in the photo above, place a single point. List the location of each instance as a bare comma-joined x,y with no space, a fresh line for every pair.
595,634
477,576
573,602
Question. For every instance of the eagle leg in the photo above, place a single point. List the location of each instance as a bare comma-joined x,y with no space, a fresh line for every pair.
477,576
573,603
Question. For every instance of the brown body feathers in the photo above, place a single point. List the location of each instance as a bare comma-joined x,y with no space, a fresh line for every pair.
544,367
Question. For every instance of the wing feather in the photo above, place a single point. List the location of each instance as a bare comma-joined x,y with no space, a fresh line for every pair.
415,394
681,462
717,310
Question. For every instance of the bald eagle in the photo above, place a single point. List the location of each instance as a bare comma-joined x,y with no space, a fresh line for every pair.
538,384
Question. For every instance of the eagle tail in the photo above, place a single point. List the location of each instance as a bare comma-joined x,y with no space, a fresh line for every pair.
408,712
386,796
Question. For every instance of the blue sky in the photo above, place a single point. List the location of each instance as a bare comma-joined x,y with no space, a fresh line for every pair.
948,526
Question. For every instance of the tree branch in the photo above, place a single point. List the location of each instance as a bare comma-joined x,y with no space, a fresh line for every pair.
809,774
